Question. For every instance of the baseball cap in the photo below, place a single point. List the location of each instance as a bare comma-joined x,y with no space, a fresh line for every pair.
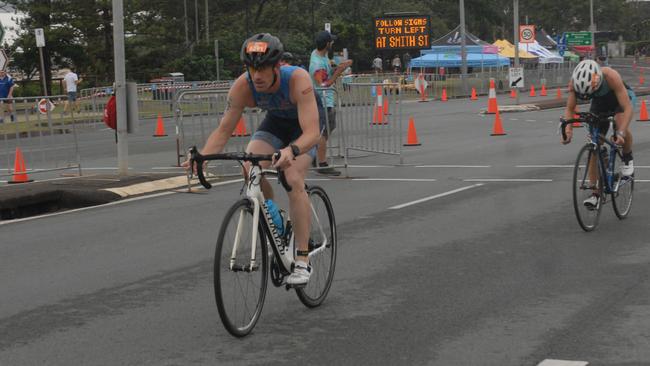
323,37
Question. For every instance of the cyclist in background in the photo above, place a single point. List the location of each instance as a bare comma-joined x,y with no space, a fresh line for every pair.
609,95
292,126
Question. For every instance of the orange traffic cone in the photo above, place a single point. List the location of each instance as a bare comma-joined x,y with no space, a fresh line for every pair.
473,96
386,113
412,136
240,129
532,91
513,94
160,127
558,94
543,92
492,99
20,171
643,115
497,129
444,95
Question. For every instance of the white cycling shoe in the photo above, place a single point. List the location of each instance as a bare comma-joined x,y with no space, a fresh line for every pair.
627,170
300,275
592,202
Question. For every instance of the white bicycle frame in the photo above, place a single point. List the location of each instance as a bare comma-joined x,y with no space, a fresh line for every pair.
254,193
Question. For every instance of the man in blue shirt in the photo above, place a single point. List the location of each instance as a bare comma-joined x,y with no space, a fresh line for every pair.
323,76
6,94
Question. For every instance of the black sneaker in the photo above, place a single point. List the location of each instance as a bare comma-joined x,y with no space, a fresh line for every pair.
325,169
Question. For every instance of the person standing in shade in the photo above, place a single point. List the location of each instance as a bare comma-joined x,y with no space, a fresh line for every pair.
71,80
377,64
6,95
323,76
397,64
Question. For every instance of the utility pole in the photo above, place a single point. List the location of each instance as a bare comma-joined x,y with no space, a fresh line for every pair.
216,55
516,38
120,88
207,24
196,20
187,29
463,52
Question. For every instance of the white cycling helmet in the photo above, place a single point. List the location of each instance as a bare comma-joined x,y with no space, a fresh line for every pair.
587,78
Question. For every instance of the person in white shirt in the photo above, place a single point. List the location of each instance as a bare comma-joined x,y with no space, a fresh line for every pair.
71,80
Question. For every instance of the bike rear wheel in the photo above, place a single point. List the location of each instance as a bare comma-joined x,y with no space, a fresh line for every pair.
322,238
623,190
240,279
584,187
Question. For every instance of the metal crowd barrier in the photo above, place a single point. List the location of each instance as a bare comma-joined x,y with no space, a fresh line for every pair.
552,75
47,139
199,112
371,119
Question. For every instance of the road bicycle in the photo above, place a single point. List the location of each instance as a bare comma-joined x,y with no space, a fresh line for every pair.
243,261
597,171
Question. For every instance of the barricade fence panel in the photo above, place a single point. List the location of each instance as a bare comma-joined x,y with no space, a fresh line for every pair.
198,113
46,136
553,75
371,118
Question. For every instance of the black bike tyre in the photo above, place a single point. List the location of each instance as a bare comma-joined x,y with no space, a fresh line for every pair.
228,323
622,209
587,152
304,295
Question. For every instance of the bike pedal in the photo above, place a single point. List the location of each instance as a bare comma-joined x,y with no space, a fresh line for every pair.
289,287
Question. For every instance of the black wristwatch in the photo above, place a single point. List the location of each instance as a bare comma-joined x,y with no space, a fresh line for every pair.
295,150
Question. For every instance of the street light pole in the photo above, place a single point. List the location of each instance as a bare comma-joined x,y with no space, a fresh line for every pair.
592,27
120,88
463,53
516,38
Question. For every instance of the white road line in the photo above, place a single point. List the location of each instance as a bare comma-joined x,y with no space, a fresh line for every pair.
514,119
371,166
531,120
395,179
544,166
551,362
454,166
127,200
506,180
434,197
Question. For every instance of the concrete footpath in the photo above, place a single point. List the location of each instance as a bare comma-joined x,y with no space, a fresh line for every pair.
37,198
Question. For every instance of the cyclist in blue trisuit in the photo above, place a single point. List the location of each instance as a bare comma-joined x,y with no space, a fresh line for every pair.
609,95
292,125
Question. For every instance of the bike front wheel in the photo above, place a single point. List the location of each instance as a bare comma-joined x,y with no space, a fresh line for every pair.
322,247
623,190
585,184
240,270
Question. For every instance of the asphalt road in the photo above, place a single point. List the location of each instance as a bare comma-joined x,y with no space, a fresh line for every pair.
496,274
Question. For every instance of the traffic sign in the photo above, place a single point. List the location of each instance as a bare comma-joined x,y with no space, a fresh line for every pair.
40,37
4,60
43,105
527,33
561,51
328,27
578,38
516,77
